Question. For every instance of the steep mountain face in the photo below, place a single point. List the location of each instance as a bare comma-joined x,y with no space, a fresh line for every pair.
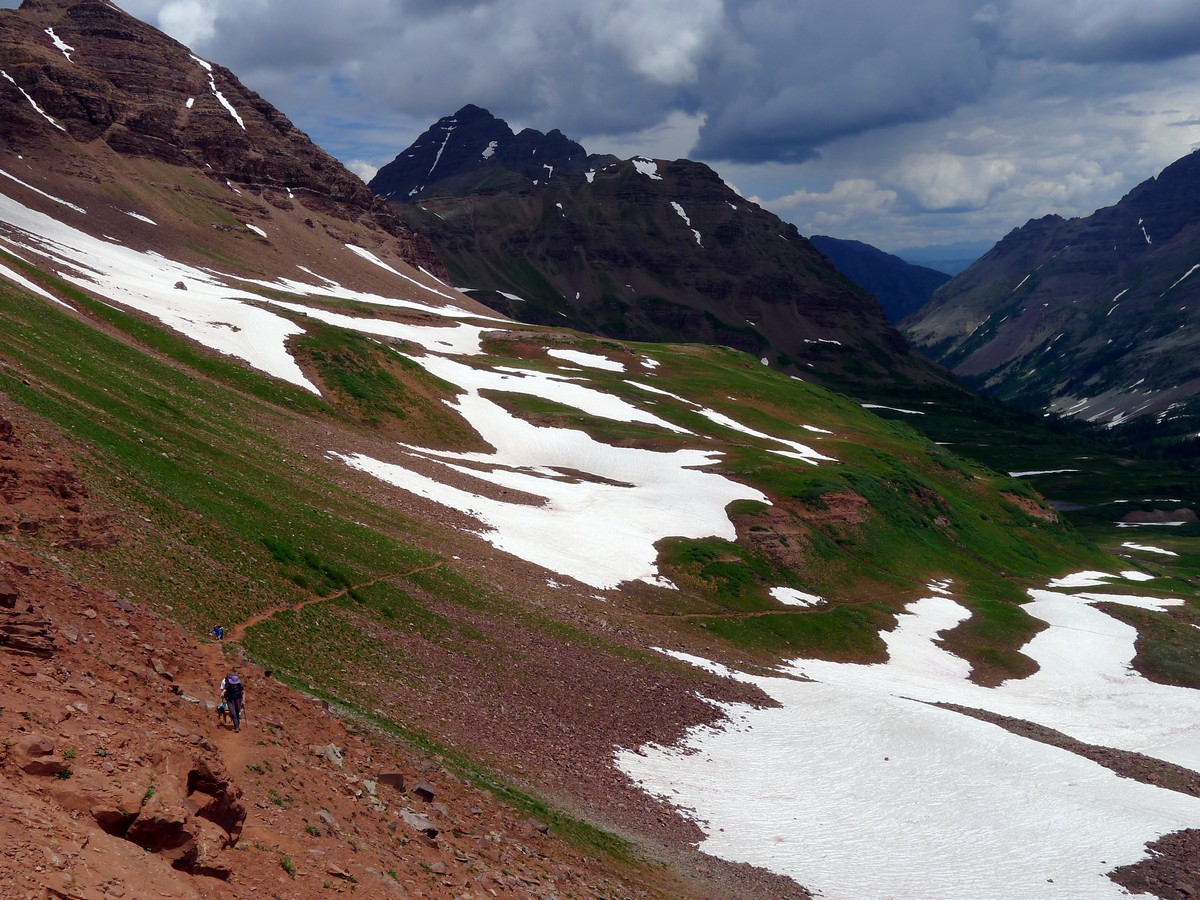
640,249
473,150
88,70
479,572
1095,318
900,287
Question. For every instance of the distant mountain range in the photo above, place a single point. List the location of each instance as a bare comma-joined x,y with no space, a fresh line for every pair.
948,258
1096,318
900,287
639,249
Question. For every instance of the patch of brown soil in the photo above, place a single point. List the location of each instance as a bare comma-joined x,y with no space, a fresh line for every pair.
1031,507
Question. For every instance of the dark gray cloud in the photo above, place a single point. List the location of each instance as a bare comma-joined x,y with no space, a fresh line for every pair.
896,123
786,79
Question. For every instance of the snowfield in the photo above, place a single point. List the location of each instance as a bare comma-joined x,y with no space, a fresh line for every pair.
858,787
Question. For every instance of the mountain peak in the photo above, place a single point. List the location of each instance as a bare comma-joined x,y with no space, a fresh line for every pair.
473,146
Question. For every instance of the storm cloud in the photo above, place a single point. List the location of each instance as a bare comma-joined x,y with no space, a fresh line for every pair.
898,124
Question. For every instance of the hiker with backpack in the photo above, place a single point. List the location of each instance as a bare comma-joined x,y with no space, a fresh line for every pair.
233,692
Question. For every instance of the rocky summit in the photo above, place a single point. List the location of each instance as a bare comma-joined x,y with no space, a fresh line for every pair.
638,249
1096,318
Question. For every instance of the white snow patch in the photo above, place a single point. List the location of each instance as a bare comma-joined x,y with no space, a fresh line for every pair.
600,532
66,49
1185,275
799,451
212,86
18,278
255,229
191,101
490,149
30,187
139,217
1148,549
683,215
372,258
438,158
647,167
1039,472
860,789
209,311
591,360
911,412
792,597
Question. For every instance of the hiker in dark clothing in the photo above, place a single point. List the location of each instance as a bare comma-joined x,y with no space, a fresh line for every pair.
233,692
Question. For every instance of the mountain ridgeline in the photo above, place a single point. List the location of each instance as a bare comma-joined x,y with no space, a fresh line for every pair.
1096,318
637,249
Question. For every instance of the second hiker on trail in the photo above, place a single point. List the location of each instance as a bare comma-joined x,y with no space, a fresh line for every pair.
233,692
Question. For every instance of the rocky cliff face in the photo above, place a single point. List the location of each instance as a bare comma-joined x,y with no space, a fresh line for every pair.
1095,318
638,249
84,69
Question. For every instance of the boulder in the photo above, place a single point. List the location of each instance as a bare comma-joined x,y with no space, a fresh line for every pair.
35,755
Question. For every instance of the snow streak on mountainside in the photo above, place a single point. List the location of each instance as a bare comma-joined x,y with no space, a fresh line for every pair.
1094,318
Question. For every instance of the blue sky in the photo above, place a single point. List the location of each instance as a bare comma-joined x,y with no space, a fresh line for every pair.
899,124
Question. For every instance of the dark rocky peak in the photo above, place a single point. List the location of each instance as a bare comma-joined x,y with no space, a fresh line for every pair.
84,69
473,149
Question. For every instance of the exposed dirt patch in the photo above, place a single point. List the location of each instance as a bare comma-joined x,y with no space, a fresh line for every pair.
1031,507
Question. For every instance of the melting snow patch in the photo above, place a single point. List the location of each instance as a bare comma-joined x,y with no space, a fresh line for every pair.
210,311
801,452
66,49
191,101
43,193
911,412
1039,472
600,526
212,86
490,149
857,786
1147,549
687,221
255,229
139,217
24,282
372,258
1185,275
791,597
647,167
591,360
